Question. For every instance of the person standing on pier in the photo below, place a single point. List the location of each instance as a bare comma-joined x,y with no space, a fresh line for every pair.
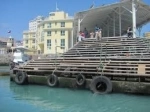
85,33
97,32
129,32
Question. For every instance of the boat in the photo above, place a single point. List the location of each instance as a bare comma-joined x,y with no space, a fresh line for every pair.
19,56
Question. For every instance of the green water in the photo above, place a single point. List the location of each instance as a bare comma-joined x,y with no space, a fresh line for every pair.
4,68
34,98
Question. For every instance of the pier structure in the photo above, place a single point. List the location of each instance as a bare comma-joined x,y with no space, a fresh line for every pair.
112,63
122,59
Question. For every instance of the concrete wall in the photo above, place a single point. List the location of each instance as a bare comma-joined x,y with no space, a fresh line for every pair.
118,86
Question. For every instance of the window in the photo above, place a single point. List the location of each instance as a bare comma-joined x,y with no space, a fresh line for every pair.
49,44
49,25
33,41
62,24
43,25
33,47
33,35
55,32
62,33
42,34
52,14
55,23
26,46
26,36
26,41
62,43
49,33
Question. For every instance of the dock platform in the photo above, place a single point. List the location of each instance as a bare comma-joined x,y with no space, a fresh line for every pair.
100,65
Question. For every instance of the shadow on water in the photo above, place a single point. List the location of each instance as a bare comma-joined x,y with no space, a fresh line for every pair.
66,100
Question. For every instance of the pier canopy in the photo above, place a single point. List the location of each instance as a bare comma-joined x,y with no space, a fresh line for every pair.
114,19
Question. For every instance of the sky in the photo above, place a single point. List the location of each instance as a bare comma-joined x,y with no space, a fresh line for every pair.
16,14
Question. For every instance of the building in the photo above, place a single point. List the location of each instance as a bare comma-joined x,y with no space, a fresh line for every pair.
6,44
147,34
30,36
55,33
34,23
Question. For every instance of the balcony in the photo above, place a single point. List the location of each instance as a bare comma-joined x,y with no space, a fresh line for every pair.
28,31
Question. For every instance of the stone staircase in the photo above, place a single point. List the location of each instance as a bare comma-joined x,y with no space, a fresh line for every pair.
111,56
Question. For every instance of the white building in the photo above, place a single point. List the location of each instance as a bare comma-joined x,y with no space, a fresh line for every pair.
34,23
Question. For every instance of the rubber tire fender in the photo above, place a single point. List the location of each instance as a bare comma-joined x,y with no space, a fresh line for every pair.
52,80
101,80
21,77
12,65
10,75
80,79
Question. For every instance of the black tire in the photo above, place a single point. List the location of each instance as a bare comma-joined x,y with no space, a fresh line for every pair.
11,78
80,80
10,74
101,85
52,80
21,78
12,65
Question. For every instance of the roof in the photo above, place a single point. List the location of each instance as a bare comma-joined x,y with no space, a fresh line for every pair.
105,17
4,39
22,48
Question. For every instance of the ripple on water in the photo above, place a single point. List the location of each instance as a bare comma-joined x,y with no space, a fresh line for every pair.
33,98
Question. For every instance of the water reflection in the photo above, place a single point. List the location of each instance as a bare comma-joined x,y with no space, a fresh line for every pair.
65,100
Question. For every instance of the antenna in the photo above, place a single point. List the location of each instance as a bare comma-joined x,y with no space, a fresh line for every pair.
57,7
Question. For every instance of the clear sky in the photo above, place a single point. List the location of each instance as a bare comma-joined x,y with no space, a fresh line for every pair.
16,14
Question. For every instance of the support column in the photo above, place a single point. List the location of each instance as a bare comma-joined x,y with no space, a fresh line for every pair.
72,43
108,29
134,18
79,27
119,20
114,25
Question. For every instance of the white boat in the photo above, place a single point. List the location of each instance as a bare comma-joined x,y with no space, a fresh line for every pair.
19,57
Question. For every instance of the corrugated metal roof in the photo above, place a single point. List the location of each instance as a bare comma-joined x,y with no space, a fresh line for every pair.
104,17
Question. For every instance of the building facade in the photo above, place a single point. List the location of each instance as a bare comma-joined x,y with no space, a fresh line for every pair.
34,23
30,36
6,44
147,34
55,33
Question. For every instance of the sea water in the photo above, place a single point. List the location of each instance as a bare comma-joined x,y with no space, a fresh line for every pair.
36,98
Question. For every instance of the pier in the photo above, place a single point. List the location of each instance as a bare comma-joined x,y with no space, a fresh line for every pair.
103,66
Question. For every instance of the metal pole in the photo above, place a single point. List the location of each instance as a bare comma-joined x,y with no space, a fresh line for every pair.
134,18
78,30
120,20
79,21
114,24
108,29
72,38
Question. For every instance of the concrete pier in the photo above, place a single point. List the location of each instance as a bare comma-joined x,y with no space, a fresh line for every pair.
118,86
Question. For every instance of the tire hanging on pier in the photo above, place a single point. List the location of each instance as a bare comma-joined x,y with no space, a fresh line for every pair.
21,77
11,65
11,73
101,85
52,80
80,80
